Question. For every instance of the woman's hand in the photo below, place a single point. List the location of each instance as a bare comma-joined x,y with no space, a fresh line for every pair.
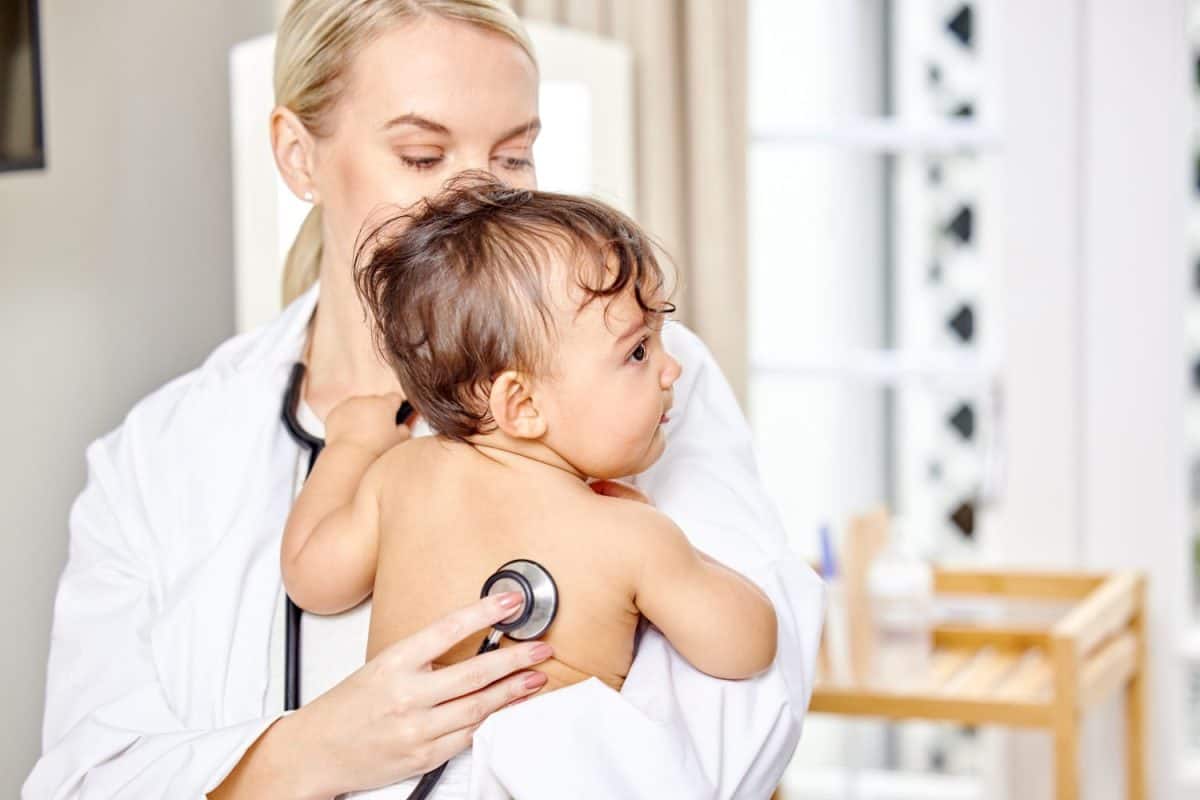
367,421
395,717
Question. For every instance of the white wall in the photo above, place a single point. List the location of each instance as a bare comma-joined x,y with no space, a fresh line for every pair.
1096,125
1136,178
115,275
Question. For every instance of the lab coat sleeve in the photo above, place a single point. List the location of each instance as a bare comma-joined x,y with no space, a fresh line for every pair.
742,733
108,730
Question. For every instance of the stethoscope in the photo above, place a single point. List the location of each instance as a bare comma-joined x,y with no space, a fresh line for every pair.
529,578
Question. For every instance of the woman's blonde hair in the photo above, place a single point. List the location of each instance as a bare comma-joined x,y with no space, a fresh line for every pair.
316,43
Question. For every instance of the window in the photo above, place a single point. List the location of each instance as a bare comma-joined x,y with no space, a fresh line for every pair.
874,337
1191,643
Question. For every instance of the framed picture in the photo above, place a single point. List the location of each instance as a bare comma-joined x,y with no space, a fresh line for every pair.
21,141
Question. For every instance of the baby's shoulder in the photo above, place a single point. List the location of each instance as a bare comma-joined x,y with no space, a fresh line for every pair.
632,525
420,458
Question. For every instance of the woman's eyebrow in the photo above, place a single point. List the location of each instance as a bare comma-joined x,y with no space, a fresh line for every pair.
416,121
533,126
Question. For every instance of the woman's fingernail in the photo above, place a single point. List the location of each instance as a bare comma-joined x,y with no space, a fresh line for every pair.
534,681
510,599
541,652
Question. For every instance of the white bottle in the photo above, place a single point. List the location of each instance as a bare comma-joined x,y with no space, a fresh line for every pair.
900,586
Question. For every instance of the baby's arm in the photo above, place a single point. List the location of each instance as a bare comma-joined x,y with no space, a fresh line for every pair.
330,544
718,620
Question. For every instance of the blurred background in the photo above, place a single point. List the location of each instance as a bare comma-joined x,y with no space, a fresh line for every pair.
947,251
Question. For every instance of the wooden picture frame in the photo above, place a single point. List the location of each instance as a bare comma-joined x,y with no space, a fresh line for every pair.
22,132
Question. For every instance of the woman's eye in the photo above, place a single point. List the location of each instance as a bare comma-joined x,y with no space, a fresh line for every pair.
514,163
428,162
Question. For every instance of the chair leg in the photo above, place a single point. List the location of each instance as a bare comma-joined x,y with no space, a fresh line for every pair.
1065,660
1066,762
1135,716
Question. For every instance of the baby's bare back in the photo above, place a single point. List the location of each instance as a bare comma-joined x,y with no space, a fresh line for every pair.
455,516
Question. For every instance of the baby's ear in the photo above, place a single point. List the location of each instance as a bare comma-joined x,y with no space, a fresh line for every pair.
513,407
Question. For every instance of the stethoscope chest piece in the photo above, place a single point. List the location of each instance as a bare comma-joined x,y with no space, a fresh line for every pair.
533,581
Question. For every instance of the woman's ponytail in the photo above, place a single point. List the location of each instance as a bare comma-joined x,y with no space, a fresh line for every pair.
303,264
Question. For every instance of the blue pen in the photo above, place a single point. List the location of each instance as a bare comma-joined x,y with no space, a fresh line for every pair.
836,633
828,559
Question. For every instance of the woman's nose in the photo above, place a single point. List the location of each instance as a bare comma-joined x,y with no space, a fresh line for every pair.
671,372
476,167
479,164
479,159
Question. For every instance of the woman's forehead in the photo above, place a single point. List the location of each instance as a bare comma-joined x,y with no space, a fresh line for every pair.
456,75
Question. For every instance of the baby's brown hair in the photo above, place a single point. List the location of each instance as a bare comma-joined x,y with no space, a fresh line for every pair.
457,287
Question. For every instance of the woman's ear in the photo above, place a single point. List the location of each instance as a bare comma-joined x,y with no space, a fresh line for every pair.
513,407
292,146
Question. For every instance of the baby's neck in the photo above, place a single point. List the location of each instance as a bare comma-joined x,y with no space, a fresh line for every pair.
532,458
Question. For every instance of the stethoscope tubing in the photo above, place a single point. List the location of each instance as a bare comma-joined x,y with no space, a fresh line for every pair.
430,779
291,689
314,445
291,401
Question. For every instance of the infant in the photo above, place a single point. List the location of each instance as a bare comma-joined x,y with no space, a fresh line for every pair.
526,328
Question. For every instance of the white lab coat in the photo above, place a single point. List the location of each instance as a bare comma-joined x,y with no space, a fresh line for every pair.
157,674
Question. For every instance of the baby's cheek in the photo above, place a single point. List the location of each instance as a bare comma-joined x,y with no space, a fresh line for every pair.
641,445
609,453
657,446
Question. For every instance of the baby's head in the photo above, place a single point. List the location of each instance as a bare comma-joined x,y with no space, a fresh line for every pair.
527,316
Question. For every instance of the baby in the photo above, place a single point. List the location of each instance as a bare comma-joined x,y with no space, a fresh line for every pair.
526,328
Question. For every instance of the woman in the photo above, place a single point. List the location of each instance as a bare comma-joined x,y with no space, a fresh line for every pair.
164,676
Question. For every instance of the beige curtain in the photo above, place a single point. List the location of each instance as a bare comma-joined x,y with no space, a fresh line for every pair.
690,65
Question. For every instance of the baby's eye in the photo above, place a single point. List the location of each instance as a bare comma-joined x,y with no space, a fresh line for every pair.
639,352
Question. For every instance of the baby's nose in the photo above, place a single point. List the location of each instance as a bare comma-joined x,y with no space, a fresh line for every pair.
671,372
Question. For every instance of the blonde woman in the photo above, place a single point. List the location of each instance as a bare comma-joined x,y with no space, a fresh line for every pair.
165,676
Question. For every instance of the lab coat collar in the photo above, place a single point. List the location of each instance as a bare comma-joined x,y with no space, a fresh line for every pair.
279,342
